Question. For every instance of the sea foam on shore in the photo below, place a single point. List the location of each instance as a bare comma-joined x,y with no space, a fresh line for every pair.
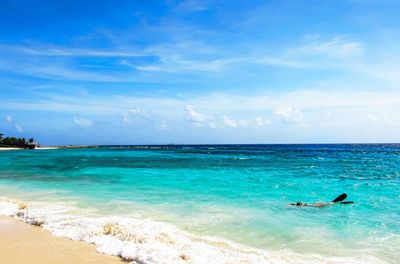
145,241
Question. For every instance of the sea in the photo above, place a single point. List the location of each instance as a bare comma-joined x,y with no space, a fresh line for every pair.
213,203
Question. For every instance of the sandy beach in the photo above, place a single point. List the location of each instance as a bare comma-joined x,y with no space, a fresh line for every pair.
45,148
21,243
5,149
38,148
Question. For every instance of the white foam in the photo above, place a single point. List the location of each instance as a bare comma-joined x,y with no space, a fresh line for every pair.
144,241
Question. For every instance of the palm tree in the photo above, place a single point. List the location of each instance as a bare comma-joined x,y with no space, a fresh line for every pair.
17,142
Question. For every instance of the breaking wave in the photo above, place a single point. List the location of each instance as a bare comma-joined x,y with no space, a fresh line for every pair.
145,241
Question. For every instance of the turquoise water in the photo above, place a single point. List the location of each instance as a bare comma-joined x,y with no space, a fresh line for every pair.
237,193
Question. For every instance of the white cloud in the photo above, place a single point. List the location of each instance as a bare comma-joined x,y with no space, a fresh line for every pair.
371,117
220,103
136,115
125,119
256,122
213,122
391,121
289,115
319,109
145,118
9,119
136,111
82,122
260,122
194,116
383,120
163,125
328,119
229,122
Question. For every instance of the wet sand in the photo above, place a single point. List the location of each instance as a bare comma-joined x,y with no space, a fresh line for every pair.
21,243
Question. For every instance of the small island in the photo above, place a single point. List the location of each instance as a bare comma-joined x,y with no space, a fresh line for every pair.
14,142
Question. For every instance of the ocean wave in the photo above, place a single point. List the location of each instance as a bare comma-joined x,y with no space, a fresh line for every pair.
241,158
144,241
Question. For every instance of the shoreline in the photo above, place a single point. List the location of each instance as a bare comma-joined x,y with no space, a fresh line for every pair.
21,243
38,148
129,239
44,148
5,149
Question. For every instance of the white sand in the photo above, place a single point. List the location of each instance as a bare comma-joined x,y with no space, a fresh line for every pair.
21,243
40,148
2,148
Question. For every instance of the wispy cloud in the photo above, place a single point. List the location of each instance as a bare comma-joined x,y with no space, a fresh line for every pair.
191,6
179,65
256,122
82,122
9,119
45,50
311,99
191,57
383,119
140,116
338,48
282,61
18,128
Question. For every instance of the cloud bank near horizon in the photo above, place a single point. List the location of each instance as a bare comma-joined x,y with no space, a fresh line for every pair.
275,118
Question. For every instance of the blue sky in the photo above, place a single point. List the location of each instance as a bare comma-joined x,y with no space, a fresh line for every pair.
155,72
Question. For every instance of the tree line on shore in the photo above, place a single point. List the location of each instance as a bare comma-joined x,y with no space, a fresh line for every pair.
17,142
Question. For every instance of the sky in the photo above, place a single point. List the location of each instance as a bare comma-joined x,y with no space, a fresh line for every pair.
200,72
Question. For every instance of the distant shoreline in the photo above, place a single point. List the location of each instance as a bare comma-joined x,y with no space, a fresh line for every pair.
174,146
10,148
37,148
